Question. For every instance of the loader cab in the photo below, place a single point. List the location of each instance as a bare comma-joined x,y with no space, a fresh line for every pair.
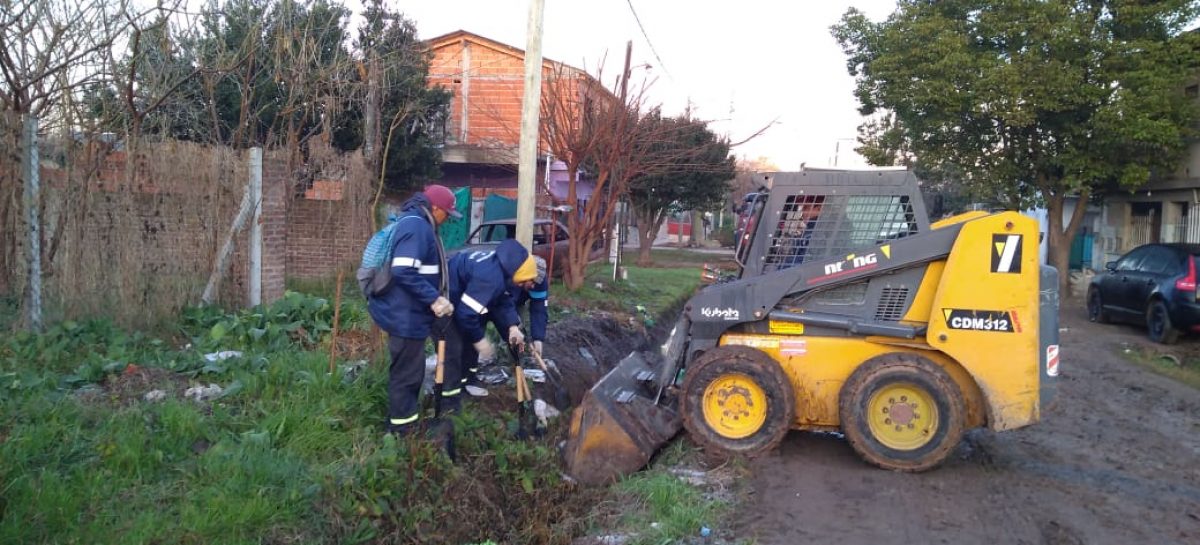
748,214
818,214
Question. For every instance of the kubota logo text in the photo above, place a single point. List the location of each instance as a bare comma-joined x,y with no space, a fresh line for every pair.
723,313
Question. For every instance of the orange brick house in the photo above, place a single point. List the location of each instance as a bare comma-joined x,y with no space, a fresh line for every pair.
482,132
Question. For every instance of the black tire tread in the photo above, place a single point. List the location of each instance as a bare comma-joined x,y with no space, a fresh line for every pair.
759,366
854,427
1170,334
1101,316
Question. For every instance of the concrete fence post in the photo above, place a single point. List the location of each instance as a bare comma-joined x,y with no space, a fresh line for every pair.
30,170
256,227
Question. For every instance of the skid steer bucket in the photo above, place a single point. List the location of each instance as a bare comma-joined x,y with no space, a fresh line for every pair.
618,426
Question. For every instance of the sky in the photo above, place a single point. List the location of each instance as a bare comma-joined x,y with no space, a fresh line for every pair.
741,65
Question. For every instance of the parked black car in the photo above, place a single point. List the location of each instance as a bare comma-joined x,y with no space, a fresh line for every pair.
1154,284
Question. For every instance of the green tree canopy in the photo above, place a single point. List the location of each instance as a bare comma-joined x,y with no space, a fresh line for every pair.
278,73
1032,100
693,172
411,115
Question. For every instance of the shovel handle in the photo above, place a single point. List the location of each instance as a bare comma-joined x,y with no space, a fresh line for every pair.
546,368
440,370
522,395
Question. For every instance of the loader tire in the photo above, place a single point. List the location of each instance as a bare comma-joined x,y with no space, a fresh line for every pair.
902,412
737,401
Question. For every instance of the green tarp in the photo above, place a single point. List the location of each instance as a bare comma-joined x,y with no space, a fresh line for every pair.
454,232
497,207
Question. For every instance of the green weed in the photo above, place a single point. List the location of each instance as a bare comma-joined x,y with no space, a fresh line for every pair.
667,509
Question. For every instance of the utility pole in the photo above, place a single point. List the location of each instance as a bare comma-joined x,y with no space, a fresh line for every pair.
614,246
530,109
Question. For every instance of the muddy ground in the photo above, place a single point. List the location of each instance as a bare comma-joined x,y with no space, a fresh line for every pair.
1116,461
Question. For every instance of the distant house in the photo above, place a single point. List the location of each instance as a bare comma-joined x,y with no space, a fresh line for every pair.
1164,210
482,133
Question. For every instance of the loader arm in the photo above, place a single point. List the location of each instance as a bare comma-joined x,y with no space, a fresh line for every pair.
719,307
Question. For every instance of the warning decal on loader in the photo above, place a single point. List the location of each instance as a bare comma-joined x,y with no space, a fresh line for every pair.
1052,360
980,320
1006,253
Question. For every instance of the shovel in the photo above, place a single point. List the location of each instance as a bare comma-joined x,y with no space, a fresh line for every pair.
562,398
527,423
441,429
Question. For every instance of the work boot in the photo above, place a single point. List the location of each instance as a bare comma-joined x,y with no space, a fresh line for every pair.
402,431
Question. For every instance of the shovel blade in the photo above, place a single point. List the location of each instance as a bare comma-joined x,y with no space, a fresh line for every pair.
441,433
618,427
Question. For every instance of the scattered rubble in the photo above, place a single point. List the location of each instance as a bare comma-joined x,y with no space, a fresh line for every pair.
154,396
203,393
222,355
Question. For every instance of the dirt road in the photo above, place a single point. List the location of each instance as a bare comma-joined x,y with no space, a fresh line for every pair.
1116,461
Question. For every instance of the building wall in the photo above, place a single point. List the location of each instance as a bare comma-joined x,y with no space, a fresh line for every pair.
488,78
488,113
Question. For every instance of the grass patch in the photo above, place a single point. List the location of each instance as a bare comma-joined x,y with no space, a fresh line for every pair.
673,503
666,509
1183,367
655,289
672,257
288,452
326,287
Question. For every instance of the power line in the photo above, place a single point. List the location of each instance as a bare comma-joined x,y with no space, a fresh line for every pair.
647,37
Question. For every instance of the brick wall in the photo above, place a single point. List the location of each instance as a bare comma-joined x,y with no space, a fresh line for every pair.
494,81
139,245
330,223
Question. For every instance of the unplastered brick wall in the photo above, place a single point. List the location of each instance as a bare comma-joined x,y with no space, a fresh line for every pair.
329,222
136,242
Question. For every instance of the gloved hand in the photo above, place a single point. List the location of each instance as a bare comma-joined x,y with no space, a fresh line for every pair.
537,347
441,307
515,337
486,350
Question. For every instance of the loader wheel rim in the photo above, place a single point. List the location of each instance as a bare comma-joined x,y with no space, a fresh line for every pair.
902,416
735,406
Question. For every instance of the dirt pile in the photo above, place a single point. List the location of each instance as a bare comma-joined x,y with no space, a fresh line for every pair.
586,348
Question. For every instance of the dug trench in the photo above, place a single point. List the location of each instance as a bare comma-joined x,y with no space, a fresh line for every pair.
554,510
584,349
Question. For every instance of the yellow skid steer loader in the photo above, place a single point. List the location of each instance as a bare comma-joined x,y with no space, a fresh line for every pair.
851,313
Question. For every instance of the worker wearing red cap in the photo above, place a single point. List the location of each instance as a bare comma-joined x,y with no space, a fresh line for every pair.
415,296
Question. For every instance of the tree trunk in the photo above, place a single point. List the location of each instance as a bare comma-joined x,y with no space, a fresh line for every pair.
646,233
697,238
1058,251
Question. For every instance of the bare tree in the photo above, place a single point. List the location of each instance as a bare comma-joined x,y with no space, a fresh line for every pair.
49,50
594,130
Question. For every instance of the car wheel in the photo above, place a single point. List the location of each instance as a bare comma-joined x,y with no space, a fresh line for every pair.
1158,324
1095,307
